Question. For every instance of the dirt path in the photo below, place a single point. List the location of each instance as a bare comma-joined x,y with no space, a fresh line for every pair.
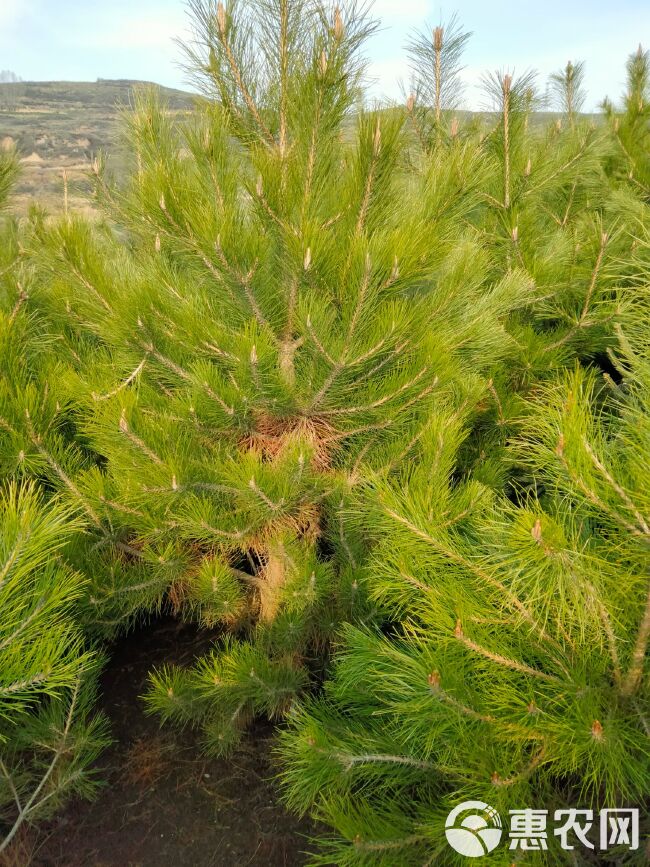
165,803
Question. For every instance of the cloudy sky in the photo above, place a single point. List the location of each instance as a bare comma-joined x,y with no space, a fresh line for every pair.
86,39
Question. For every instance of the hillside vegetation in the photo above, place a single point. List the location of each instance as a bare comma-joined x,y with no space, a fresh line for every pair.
60,126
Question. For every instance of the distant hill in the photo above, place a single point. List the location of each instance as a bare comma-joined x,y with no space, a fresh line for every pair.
59,126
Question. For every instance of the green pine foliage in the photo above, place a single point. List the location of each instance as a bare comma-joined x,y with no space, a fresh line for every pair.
510,664
40,645
333,377
290,304
515,672
8,242
437,88
567,88
49,732
545,209
630,126
8,174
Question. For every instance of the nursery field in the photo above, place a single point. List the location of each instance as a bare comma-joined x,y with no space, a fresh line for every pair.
324,459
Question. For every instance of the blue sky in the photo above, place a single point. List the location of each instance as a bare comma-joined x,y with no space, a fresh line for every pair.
85,39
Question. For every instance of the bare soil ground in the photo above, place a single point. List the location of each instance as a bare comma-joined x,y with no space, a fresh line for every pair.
165,803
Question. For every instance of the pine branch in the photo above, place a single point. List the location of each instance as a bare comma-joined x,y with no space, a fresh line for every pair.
284,80
11,785
23,685
456,557
341,364
641,521
237,75
244,281
499,659
464,709
88,285
410,105
582,319
388,845
592,496
370,180
344,541
261,198
506,85
137,442
35,801
632,680
355,410
524,774
12,558
130,378
274,507
58,469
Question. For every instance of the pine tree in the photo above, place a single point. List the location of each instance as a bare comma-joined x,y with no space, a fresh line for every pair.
436,85
567,87
287,369
290,303
49,733
551,212
293,289
631,126
509,666
516,669
8,172
516,672
545,210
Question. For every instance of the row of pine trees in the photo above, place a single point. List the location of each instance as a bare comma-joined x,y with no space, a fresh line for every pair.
365,391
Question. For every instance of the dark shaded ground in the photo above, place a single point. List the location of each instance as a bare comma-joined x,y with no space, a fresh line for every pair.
166,804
